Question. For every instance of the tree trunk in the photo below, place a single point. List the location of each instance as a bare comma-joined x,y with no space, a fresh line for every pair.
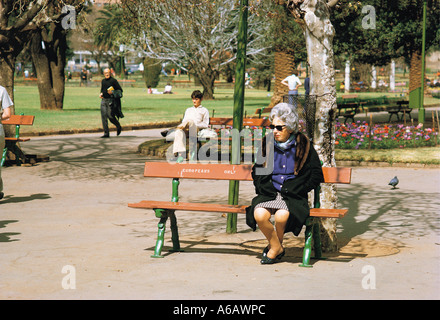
415,71
207,79
152,68
49,64
284,66
318,33
7,63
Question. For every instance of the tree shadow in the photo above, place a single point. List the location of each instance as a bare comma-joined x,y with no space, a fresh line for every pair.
13,199
386,213
92,158
6,236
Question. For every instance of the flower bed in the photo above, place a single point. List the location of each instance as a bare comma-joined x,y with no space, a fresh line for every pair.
360,135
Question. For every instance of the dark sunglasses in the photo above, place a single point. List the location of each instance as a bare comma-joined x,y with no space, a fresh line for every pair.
279,128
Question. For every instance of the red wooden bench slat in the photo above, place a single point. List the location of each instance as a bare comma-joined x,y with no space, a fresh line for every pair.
336,175
186,206
17,139
20,120
246,122
218,171
214,207
328,213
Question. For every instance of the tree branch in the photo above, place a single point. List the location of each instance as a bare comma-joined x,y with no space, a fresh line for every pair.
332,3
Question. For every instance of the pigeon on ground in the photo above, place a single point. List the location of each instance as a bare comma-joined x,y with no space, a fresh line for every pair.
393,182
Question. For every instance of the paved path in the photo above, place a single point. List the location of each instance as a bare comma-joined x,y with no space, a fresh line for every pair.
70,215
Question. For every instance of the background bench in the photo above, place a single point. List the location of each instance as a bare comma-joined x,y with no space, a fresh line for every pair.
11,142
166,209
259,112
401,107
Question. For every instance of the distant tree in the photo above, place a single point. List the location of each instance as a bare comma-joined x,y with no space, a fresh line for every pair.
152,69
397,32
197,35
287,44
110,34
24,20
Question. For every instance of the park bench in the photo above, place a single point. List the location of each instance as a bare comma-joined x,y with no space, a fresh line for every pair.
11,142
348,110
350,97
247,122
221,171
259,112
402,107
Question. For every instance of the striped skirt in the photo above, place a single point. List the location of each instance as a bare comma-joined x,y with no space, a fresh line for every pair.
278,203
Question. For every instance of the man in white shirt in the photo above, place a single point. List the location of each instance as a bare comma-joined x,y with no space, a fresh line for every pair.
292,82
5,113
168,89
196,119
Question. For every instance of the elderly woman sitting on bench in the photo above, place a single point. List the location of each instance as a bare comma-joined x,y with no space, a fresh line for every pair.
283,193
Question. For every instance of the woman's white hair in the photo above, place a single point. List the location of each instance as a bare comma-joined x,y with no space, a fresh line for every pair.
286,113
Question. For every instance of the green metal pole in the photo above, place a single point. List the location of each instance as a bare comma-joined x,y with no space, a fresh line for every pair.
422,90
240,70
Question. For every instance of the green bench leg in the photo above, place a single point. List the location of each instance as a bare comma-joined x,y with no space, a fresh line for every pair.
174,233
312,232
161,227
307,244
5,150
160,237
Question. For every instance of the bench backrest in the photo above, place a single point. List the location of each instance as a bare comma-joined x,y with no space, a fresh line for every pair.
246,122
337,175
19,120
403,102
224,171
350,96
260,111
217,171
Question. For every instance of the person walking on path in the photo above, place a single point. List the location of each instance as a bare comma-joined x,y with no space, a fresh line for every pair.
108,86
283,193
5,113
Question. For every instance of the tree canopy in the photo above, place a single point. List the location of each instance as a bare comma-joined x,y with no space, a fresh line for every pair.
197,35
395,32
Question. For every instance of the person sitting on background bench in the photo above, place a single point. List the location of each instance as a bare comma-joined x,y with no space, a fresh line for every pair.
283,193
168,89
5,113
196,118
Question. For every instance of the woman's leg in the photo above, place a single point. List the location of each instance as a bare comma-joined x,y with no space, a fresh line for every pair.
262,216
281,217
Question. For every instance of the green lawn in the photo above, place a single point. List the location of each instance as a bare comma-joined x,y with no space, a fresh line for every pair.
82,106
426,155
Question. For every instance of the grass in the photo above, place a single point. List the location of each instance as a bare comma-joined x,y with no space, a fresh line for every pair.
82,107
425,155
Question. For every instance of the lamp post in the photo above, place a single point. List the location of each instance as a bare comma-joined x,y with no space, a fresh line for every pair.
422,108
231,226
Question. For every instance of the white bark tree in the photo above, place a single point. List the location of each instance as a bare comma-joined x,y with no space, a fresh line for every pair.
314,17
199,36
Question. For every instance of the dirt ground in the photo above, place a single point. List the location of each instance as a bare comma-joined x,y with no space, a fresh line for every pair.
66,232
